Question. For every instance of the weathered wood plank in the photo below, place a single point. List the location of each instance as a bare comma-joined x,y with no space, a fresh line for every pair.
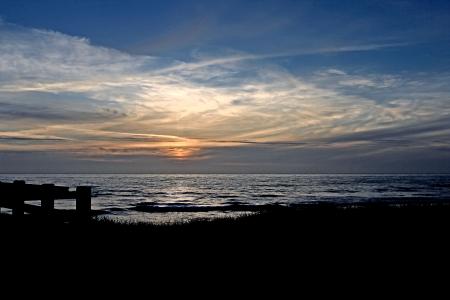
14,195
83,201
19,203
48,199
34,192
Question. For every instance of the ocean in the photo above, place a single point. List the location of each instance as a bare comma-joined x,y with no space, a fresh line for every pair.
179,197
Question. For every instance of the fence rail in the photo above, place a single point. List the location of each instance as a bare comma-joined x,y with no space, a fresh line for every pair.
15,195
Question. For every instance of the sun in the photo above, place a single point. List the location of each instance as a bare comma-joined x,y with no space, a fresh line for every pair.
180,153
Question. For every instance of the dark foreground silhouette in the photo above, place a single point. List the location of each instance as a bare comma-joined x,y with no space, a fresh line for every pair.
373,225
320,243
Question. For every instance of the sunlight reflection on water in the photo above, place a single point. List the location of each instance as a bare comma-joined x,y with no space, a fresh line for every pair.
120,195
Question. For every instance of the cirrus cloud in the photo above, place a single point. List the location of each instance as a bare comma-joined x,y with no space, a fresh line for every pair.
83,98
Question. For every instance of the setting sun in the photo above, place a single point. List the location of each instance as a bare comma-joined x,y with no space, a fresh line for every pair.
180,153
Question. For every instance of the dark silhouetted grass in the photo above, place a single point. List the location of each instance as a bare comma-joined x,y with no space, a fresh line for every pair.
302,230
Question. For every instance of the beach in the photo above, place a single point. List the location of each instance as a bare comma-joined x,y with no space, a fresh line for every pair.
416,221
312,245
400,217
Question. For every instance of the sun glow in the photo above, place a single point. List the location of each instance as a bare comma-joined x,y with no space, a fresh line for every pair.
180,153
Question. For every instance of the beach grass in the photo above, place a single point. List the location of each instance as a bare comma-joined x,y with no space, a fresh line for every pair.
327,236
327,218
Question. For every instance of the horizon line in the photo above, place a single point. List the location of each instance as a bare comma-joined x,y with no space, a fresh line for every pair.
234,173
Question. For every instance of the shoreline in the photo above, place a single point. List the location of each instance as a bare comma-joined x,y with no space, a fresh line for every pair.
324,233
273,217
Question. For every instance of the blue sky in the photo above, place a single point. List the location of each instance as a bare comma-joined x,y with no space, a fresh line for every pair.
225,86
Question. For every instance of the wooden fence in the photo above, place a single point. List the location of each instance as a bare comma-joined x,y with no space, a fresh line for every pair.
15,195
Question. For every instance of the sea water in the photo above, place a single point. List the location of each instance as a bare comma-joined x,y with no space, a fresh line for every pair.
186,197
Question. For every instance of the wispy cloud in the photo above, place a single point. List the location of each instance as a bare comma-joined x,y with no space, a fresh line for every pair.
239,57
81,98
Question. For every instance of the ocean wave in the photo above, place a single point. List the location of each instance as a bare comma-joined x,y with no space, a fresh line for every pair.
144,207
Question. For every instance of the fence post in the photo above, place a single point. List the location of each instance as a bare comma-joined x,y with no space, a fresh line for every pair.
48,199
18,200
83,202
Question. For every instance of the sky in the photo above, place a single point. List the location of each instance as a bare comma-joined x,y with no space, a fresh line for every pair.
225,86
